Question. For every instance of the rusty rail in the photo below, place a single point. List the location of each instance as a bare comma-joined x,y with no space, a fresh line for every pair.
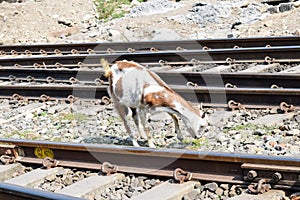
52,49
257,54
210,96
240,80
278,171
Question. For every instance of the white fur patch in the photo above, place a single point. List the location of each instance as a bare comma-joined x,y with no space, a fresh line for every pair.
153,89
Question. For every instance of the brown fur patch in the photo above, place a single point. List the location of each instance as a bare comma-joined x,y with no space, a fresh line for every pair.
127,64
119,88
158,99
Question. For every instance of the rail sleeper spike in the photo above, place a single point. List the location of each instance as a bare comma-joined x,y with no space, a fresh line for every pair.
14,52
49,163
130,50
181,175
259,188
17,97
6,159
74,51
57,52
105,100
30,79
269,59
233,105
44,98
28,52
9,156
43,52
286,107
229,85
91,51
109,168
71,99
50,79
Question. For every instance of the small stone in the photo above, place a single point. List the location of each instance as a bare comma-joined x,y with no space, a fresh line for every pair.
293,132
166,34
230,148
51,178
224,186
273,9
295,149
54,187
93,34
115,35
219,191
135,183
65,22
238,137
276,131
211,195
67,180
232,193
297,117
283,7
226,193
211,186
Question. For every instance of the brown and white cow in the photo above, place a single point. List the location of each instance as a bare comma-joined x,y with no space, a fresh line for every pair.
137,90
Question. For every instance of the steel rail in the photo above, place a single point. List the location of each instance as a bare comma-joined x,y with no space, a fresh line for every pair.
212,96
263,54
15,192
240,80
159,45
212,166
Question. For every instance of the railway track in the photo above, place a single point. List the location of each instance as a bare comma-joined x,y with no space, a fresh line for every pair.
57,49
114,162
255,54
257,79
207,87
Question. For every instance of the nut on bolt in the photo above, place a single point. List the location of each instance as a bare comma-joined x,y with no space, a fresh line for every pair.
276,177
251,175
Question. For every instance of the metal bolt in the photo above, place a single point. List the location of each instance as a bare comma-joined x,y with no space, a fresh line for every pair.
251,175
276,177
238,190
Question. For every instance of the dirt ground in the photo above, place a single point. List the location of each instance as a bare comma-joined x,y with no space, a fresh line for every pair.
48,21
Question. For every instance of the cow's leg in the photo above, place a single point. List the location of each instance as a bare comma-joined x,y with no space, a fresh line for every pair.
143,117
177,129
123,113
138,122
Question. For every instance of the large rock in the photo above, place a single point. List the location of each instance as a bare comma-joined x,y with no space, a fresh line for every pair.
166,34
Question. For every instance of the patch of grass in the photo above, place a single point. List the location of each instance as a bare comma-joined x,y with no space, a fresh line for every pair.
195,143
73,116
252,127
111,9
43,114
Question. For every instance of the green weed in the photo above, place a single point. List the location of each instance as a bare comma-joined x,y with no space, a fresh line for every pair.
73,116
195,143
110,9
